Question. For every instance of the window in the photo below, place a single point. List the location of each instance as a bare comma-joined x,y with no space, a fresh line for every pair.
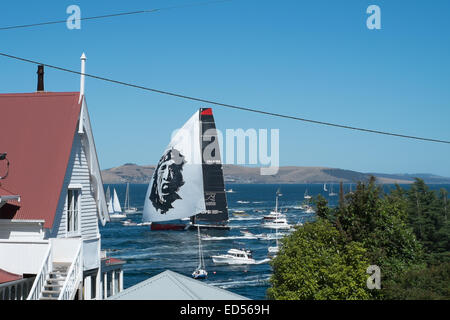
73,210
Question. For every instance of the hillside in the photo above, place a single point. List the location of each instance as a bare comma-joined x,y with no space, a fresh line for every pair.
133,173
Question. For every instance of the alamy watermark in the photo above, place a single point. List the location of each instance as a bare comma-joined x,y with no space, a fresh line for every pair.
74,20
374,20
374,280
241,146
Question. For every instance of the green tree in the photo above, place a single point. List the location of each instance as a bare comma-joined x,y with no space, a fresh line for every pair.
314,263
322,209
420,283
427,214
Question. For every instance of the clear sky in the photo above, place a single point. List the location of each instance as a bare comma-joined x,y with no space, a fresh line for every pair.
311,59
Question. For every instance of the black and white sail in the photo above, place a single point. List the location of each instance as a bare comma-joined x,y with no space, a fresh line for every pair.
213,182
188,180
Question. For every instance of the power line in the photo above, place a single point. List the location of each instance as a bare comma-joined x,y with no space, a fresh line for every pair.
114,15
226,105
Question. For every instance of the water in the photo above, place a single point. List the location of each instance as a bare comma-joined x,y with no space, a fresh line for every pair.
148,253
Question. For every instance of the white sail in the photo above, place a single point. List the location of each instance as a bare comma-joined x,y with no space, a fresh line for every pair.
116,203
176,189
110,206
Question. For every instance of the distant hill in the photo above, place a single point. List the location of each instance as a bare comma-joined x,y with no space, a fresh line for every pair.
134,173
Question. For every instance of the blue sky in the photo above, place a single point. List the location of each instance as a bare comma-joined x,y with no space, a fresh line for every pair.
311,59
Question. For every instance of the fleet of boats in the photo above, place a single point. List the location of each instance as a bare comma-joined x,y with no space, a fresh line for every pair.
187,192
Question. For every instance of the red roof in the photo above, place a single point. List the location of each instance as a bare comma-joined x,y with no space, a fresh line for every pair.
4,192
6,276
37,132
113,261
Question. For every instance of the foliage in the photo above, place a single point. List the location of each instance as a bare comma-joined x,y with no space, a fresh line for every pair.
420,282
404,232
427,214
315,263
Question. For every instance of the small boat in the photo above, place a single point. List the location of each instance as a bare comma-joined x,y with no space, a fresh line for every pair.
306,195
332,194
129,223
299,207
310,210
244,202
274,214
114,207
229,191
240,214
128,209
200,272
248,234
325,187
234,256
280,223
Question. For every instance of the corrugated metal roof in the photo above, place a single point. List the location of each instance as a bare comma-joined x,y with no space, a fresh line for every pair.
37,133
169,285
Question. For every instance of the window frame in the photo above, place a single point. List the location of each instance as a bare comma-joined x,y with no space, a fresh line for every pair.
73,225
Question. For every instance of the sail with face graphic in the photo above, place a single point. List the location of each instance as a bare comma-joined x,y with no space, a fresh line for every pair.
176,188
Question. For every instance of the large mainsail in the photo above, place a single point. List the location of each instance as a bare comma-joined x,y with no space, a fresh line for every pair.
176,189
213,182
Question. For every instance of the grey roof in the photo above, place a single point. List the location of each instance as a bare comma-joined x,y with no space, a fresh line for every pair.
169,285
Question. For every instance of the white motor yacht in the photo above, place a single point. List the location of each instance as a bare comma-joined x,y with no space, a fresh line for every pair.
234,256
276,214
280,223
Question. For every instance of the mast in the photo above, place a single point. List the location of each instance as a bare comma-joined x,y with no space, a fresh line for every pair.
276,203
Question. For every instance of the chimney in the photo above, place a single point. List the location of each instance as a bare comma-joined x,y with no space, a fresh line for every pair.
40,72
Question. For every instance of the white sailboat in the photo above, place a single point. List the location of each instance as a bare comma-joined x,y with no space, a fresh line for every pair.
116,208
306,195
200,272
128,209
188,180
109,201
332,194
325,187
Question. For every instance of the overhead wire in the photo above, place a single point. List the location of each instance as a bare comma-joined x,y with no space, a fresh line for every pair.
217,103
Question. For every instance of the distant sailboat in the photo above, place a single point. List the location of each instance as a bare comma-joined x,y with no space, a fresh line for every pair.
128,209
332,194
109,201
188,180
115,206
200,272
325,187
306,195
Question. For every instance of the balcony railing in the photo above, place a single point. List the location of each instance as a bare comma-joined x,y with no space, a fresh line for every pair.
74,276
41,277
16,290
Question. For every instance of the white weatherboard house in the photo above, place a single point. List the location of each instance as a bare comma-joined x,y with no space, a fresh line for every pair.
52,200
